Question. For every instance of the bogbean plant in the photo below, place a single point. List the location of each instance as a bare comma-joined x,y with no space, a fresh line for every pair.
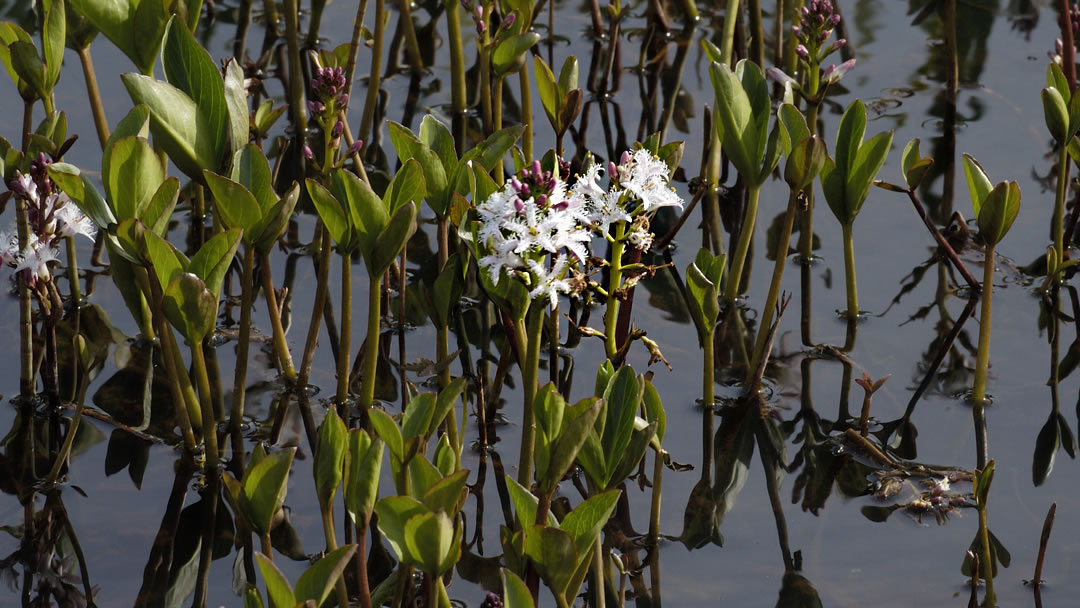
522,239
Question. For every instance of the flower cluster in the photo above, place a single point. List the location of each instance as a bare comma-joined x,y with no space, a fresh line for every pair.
1059,46
530,218
50,216
640,184
816,24
328,100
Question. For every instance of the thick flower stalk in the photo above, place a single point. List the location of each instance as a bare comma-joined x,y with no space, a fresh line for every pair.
639,187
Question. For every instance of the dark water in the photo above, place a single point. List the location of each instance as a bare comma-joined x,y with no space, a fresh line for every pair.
847,558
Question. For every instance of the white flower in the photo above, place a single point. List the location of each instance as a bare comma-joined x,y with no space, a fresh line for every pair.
35,259
549,282
75,222
9,247
646,176
834,72
25,187
640,237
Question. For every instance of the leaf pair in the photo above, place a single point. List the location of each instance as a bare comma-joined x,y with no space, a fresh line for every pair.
195,113
444,173
426,533
561,431
561,551
314,585
260,493
995,207
248,200
805,153
742,120
422,418
618,440
192,288
360,221
846,180
136,27
703,288
35,75
561,98
1061,108
512,43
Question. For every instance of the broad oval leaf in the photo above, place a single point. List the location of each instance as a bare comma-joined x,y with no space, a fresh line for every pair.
330,456
509,54
265,484
316,583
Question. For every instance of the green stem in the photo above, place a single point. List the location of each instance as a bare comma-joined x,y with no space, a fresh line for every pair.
281,346
654,507
987,559
529,338
757,34
240,378
485,84
526,115
317,7
982,360
849,272
746,233
65,450
708,383
317,308
267,548
209,427
296,76
183,394
371,345
496,125
769,309
346,323
728,41
374,74
412,46
331,545
458,101
611,314
1059,201
598,572
101,123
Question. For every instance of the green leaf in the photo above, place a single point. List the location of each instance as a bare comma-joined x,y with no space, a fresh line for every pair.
445,401
407,185
568,75
409,146
998,212
1056,78
654,410
394,512
983,479
190,68
190,307
234,203
978,183
548,90
236,102
135,124
362,483
447,493
417,417
330,456
734,121
422,474
868,162
1047,443
584,523
27,64
53,39
366,211
388,431
9,33
804,162
275,220
177,124
570,441
135,173
433,540
849,136
157,212
316,583
794,123
211,262
515,593
551,551
439,140
265,484
623,397
509,54
913,165
330,212
1055,113
278,589
392,239
166,261
703,301
447,290
526,504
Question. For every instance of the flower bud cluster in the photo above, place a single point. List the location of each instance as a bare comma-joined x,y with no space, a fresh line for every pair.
817,20
328,97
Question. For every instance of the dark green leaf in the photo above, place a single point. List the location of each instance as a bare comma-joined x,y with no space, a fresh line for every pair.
392,239
317,581
234,203
190,68
417,416
515,593
211,262
330,456
978,183
177,124
190,307
278,589
388,431
448,493
551,551
509,54
330,212
1046,446
265,484
236,102
362,483
584,523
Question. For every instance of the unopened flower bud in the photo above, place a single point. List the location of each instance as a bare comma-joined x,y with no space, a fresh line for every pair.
541,201
481,27
315,107
824,35
801,51
308,154
356,147
612,170
478,13
537,170
339,128
796,30
835,19
625,158
343,101
465,4
841,43
509,20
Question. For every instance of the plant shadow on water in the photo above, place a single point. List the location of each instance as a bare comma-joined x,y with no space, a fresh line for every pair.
554,209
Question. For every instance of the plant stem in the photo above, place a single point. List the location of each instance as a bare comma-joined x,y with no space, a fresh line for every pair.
746,233
988,563
708,383
363,586
101,123
769,309
412,46
240,378
26,330
296,76
849,272
654,507
317,309
371,345
497,104
611,314
757,34
281,346
187,409
373,75
728,41
485,84
267,548
209,427
1059,201
526,115
65,450
331,544
458,101
529,338
346,323
598,572
982,361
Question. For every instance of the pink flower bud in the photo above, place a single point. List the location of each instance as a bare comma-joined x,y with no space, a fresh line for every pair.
612,170
308,154
356,147
836,19
509,20
339,128
802,52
